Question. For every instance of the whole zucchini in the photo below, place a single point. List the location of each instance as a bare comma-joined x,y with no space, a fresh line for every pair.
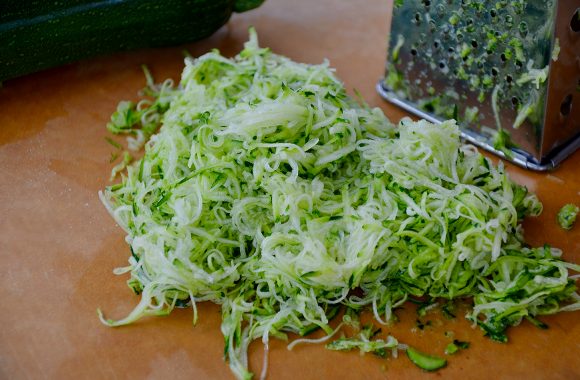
36,35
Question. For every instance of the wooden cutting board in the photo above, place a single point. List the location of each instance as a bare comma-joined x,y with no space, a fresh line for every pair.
58,245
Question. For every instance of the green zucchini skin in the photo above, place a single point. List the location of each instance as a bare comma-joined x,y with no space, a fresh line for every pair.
36,35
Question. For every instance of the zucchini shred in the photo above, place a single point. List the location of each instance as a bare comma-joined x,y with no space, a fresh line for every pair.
272,193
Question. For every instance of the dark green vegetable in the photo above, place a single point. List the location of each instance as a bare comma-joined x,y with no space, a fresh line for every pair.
364,342
36,35
448,310
536,322
451,349
455,346
424,361
567,216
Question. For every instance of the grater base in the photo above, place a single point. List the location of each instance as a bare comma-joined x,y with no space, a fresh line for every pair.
518,157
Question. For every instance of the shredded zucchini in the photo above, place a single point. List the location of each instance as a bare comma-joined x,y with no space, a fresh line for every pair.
455,346
270,192
567,216
365,342
424,361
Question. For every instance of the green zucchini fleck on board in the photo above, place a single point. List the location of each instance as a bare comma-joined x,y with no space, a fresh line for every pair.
36,35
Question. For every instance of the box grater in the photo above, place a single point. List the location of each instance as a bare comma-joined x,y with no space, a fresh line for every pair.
507,71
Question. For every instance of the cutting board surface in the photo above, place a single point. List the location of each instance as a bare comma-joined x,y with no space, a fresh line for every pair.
58,245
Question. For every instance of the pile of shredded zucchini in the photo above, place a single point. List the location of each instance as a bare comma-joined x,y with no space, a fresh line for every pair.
269,191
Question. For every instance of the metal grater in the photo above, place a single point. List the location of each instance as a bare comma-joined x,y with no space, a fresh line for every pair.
507,71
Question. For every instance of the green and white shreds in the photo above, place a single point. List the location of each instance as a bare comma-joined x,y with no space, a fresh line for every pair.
269,191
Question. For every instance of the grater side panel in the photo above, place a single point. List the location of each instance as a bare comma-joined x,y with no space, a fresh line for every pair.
562,121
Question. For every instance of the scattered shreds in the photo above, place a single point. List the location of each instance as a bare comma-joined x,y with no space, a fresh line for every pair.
270,192
567,216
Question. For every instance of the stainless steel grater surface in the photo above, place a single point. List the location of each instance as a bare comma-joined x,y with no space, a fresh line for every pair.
507,71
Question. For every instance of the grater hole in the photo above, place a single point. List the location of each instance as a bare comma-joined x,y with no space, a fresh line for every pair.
474,43
509,21
418,18
575,22
509,79
515,101
432,26
523,28
494,71
413,52
443,67
566,105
